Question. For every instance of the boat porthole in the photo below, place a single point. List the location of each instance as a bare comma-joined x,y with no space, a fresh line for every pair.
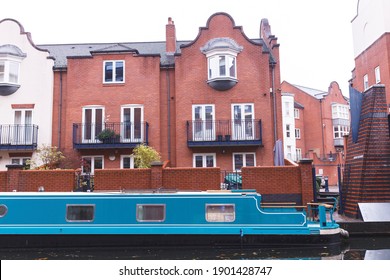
3,210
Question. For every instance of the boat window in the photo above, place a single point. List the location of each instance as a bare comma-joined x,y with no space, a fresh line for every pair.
80,213
3,210
220,213
150,212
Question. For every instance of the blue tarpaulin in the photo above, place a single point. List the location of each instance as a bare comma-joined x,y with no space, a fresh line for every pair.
278,153
355,98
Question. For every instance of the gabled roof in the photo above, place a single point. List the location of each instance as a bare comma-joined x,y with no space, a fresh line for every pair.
319,94
60,52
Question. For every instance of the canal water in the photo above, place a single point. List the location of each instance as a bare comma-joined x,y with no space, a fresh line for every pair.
377,248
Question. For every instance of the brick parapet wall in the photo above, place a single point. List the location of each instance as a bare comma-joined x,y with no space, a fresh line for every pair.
51,180
3,181
122,179
283,180
192,178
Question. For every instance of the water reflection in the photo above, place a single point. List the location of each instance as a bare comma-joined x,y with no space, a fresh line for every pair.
353,249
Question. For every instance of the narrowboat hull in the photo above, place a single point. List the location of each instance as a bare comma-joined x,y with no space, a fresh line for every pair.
228,218
167,240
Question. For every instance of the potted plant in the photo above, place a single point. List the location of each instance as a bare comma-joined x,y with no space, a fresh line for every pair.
106,135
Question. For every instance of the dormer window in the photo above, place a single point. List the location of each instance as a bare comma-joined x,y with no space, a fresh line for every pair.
221,54
10,59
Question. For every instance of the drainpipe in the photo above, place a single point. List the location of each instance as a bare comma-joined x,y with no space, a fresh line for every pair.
274,101
60,113
322,130
168,80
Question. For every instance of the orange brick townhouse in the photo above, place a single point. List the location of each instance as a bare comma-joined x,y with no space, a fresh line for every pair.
212,101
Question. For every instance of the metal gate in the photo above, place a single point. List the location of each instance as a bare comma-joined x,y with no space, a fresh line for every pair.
322,192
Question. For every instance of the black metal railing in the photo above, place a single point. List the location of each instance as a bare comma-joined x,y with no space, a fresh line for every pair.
18,136
224,132
105,135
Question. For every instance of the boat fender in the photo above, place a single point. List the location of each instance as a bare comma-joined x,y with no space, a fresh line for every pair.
344,233
241,232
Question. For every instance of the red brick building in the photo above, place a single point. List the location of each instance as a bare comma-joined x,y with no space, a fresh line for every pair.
371,40
212,101
314,125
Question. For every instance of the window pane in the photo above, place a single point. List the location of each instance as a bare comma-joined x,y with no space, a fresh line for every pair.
80,213
238,161
126,162
209,161
108,71
150,213
220,213
137,123
222,66
2,70
250,160
198,161
98,163
232,66
13,72
119,71
213,67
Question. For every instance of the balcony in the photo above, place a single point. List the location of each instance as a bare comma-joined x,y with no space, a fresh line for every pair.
18,136
224,133
109,135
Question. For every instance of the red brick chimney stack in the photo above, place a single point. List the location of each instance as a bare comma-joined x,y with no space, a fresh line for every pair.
170,36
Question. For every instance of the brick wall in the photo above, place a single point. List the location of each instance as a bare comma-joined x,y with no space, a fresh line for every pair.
192,178
118,179
287,183
51,180
367,171
3,180
282,183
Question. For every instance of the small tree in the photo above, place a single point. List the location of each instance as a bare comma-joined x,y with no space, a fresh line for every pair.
144,156
47,157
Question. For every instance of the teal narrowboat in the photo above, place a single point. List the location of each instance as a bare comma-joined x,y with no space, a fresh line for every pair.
161,218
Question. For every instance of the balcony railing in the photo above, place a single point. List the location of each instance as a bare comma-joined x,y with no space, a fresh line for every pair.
247,132
109,135
18,136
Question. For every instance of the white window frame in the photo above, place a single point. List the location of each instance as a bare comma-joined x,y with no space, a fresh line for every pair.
377,75
341,131
242,128
298,152
5,75
244,161
92,167
297,133
123,157
93,127
132,138
114,75
23,129
204,159
288,130
213,63
202,131
365,82
340,111
296,113
21,160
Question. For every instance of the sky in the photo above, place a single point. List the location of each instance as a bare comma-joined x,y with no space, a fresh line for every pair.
315,36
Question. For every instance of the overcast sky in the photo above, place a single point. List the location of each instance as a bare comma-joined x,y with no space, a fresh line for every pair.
315,36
